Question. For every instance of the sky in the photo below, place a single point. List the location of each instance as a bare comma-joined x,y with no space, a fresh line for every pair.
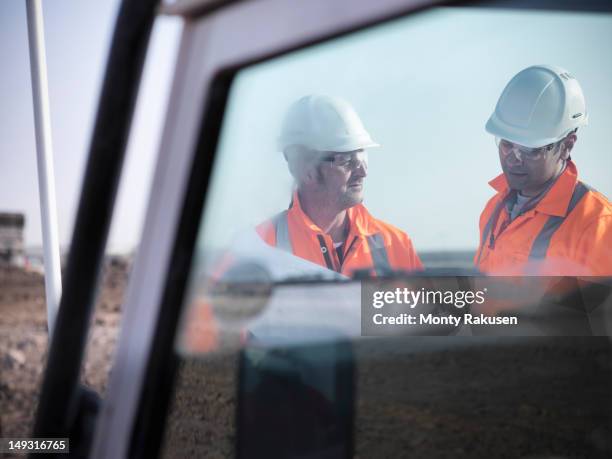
423,86
77,36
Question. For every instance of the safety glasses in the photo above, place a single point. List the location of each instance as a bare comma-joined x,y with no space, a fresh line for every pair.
521,152
348,161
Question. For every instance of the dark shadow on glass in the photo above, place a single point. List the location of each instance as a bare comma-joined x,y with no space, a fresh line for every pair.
296,401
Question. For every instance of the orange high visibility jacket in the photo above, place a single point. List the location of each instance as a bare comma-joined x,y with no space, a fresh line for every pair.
371,244
568,232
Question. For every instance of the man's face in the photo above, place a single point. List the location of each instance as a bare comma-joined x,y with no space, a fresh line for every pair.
527,169
342,176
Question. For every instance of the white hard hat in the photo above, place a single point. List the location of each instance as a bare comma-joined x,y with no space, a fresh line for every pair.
324,123
539,106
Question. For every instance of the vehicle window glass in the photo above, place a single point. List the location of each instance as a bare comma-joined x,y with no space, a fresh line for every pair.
423,88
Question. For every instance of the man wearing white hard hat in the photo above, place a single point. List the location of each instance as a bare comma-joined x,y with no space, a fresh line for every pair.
325,143
543,219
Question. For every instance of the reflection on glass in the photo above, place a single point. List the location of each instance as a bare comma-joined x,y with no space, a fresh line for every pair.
543,219
416,95
374,156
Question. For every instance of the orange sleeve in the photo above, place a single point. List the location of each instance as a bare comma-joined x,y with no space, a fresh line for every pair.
266,232
415,261
480,230
406,257
201,330
594,248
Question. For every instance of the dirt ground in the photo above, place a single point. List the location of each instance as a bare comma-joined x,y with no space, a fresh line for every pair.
549,398
23,342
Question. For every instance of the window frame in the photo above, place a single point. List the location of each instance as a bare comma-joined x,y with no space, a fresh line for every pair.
214,47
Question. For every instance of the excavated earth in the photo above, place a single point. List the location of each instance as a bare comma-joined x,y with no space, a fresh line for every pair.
23,342
548,398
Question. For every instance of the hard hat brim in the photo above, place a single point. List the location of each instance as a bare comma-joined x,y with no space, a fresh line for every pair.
352,146
498,128
340,148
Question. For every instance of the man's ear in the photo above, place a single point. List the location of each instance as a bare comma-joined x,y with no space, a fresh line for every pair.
567,145
310,175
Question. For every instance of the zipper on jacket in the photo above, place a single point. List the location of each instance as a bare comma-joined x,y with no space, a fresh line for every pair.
493,238
348,252
326,254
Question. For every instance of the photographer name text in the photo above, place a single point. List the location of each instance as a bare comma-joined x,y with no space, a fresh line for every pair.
455,300
432,319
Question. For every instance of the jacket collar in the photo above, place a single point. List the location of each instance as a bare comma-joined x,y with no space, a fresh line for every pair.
359,218
556,200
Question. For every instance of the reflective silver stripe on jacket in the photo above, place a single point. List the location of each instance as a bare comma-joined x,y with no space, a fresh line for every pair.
376,243
380,258
281,225
542,242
